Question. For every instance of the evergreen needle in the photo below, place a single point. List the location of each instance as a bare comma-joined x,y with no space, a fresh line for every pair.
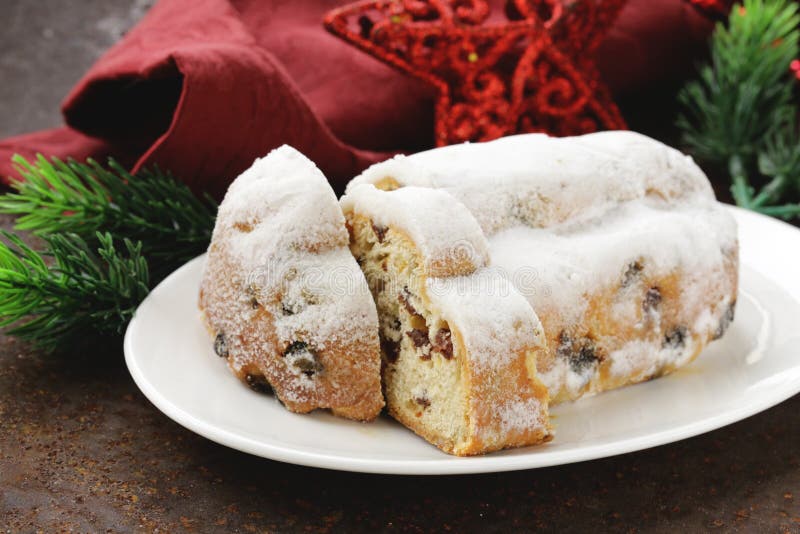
740,114
56,297
109,237
152,207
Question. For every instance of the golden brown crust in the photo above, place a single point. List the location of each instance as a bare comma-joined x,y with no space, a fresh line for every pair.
260,355
572,211
271,297
485,392
663,318
488,418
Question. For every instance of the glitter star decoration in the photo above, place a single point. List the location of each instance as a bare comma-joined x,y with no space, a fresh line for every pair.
528,69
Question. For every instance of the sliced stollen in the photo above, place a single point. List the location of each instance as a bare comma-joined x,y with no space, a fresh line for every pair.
282,296
459,342
615,239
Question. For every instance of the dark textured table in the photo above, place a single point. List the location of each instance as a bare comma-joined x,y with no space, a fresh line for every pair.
81,449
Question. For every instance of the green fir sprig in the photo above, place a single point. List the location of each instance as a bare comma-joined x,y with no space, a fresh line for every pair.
153,208
107,236
740,114
70,289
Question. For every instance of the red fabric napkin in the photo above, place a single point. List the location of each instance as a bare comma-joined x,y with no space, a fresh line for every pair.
203,87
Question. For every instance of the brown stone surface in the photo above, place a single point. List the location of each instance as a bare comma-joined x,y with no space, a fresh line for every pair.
81,449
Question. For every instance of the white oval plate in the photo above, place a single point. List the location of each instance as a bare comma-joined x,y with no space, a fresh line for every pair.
755,366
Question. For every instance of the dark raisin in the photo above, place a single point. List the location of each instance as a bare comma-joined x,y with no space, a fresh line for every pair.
725,321
652,299
254,303
405,299
584,359
579,352
287,309
303,358
675,338
258,383
380,231
423,401
308,366
632,273
391,349
419,337
221,346
296,347
564,345
443,343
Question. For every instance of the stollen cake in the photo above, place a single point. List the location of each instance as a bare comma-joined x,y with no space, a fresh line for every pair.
615,240
283,298
459,342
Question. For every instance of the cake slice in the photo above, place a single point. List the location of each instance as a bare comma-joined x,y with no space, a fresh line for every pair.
615,240
459,343
284,300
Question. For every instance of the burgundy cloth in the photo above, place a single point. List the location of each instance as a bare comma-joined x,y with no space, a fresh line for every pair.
202,87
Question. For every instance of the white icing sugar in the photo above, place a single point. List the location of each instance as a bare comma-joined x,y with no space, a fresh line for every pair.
438,224
556,267
637,356
519,414
495,324
280,207
497,327
494,320
564,217
558,375
708,321
538,180
642,359
280,242
326,299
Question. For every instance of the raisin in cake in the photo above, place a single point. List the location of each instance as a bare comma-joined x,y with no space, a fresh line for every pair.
615,239
282,296
459,342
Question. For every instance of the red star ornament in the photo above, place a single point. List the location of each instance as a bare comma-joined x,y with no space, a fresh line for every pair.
528,70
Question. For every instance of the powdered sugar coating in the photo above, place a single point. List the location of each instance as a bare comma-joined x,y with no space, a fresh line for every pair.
536,180
426,257
517,414
565,217
499,321
282,288
570,260
496,324
284,204
440,226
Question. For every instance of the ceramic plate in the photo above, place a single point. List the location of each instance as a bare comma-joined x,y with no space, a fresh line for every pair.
755,366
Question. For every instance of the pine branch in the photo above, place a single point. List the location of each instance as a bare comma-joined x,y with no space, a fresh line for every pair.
152,207
745,93
780,161
80,290
741,114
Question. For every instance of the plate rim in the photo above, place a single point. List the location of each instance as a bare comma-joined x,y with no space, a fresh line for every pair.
447,465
